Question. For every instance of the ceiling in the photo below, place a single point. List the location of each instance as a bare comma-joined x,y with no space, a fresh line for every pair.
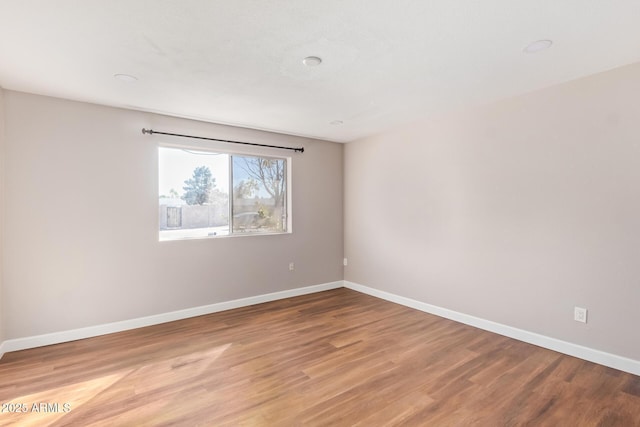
384,62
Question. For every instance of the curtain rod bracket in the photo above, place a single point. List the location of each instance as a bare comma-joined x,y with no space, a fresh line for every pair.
151,132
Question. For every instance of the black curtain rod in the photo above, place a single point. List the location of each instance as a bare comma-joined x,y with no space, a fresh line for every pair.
151,132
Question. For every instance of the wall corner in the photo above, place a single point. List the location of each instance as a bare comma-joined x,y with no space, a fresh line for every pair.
2,209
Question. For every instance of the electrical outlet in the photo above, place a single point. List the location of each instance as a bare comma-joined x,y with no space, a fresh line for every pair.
291,266
344,262
580,314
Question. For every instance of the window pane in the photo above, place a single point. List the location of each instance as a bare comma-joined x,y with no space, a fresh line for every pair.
259,194
193,193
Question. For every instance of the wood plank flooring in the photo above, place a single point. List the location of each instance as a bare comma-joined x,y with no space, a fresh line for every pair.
335,358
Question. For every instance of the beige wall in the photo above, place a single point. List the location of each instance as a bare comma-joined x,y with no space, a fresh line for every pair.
513,212
89,261
1,210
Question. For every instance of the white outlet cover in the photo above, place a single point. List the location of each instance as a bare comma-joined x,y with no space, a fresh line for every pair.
580,314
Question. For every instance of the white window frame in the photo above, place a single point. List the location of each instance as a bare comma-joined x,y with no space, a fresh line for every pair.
214,148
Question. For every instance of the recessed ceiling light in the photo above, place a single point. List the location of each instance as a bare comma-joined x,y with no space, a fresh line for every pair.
336,122
127,78
537,46
312,61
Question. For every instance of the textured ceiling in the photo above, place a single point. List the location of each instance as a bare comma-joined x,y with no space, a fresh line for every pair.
240,61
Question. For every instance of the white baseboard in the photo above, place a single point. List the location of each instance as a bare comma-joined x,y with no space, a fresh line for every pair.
586,353
108,328
575,350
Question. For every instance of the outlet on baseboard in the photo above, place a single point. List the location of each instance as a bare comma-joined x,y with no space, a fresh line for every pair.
580,314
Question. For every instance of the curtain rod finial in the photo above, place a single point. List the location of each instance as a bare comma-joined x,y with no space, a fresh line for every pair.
147,131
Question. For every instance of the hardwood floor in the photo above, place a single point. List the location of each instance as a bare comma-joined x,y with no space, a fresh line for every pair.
332,358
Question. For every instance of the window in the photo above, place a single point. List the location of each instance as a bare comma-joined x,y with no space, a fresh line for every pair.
208,194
